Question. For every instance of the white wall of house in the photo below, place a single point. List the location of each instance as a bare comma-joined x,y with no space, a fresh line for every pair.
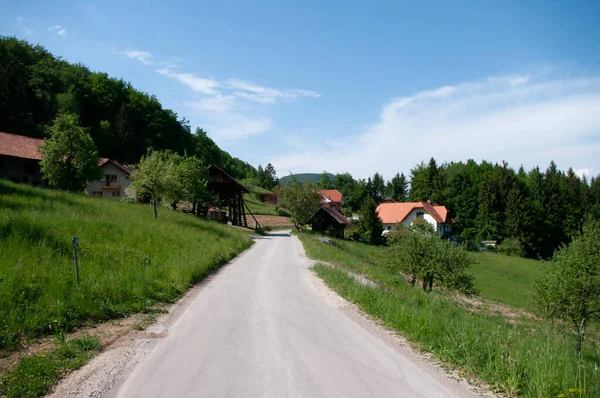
115,188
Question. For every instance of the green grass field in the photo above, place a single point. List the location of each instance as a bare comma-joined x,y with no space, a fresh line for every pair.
259,208
129,261
513,359
532,359
509,280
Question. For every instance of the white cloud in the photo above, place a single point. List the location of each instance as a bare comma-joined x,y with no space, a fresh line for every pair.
142,56
217,103
235,126
198,84
521,119
265,95
586,171
25,29
58,29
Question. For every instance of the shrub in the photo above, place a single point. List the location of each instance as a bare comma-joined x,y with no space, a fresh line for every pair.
283,213
511,247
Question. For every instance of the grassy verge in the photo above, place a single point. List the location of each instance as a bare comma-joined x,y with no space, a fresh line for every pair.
129,261
513,359
495,272
34,375
259,208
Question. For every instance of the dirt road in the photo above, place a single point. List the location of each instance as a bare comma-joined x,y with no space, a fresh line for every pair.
267,327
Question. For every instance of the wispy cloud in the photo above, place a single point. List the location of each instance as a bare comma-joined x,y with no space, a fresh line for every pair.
198,84
217,103
24,29
142,56
522,119
265,95
58,29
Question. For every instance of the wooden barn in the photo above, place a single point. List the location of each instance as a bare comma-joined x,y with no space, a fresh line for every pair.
330,220
231,194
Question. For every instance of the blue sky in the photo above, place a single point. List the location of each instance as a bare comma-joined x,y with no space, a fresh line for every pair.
351,86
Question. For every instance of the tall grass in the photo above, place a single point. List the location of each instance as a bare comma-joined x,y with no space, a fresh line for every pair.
512,358
128,260
495,273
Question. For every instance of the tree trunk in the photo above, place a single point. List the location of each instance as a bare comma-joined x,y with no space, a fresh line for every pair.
154,207
425,283
430,282
174,205
194,208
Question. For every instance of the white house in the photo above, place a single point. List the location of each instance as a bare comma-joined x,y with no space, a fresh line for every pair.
392,214
114,181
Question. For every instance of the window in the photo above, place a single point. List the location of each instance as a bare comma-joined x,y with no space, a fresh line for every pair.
420,214
117,193
97,193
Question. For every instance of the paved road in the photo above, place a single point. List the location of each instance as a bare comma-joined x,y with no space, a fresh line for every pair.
262,329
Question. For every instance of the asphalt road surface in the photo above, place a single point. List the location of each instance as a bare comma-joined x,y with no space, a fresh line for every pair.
262,329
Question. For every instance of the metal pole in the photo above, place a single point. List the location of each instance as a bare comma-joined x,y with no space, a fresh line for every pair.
75,246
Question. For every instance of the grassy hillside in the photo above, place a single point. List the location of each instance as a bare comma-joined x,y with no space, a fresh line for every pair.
258,207
506,279
312,177
532,359
128,260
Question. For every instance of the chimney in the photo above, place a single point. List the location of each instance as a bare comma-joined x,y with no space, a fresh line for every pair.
429,201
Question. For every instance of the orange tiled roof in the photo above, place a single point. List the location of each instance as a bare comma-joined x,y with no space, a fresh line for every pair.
20,146
393,213
332,194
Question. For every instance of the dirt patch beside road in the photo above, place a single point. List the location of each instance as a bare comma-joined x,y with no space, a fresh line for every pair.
271,221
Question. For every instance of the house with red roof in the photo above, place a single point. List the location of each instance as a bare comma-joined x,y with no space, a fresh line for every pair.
20,158
392,214
114,181
331,198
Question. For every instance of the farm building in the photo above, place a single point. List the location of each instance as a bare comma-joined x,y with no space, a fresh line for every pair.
20,158
330,220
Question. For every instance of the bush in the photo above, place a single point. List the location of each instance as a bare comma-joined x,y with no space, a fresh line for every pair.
283,213
511,247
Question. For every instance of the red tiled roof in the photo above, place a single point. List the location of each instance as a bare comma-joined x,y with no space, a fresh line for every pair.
20,146
332,194
393,213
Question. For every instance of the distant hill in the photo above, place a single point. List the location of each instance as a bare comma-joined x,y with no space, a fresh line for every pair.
312,177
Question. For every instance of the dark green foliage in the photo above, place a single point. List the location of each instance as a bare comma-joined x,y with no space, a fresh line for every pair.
326,181
370,227
397,188
267,177
35,87
69,157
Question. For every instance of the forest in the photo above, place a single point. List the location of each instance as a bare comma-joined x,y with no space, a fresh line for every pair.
124,123
542,209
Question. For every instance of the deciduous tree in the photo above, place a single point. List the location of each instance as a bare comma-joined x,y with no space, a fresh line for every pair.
69,157
570,287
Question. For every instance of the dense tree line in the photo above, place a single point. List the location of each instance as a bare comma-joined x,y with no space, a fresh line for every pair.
539,209
124,123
